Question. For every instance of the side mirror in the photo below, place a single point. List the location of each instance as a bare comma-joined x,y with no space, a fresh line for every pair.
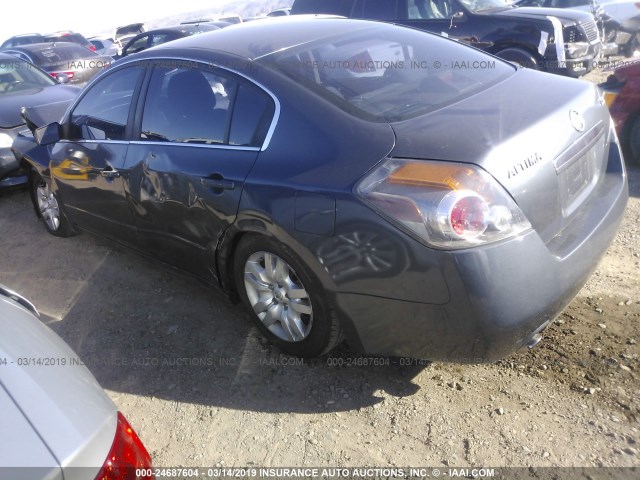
48,134
62,78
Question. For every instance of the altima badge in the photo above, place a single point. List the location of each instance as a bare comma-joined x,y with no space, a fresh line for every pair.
577,120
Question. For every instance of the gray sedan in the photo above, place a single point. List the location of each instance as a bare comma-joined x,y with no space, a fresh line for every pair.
347,180
61,422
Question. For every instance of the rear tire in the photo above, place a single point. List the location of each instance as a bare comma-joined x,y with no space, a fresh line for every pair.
519,57
285,299
48,208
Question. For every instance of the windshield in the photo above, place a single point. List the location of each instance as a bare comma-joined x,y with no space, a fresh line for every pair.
486,5
17,76
389,73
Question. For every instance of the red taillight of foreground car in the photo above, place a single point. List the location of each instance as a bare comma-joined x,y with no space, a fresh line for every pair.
127,459
92,48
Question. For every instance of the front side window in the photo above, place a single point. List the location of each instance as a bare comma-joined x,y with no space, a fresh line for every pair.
376,10
103,112
137,45
429,9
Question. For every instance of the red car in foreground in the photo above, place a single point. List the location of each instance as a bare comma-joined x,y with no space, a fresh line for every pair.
622,94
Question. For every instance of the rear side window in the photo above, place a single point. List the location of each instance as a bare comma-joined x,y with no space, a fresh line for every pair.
252,116
188,105
103,112
204,106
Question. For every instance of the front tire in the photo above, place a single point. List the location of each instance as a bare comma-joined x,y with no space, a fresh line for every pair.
286,300
519,57
48,208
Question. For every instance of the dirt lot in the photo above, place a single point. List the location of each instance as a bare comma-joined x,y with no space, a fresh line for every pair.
202,389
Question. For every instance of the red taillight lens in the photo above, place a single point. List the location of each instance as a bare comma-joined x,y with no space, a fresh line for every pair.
467,216
68,74
92,48
127,457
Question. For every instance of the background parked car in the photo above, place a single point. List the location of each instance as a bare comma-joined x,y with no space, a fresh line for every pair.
24,39
618,21
72,37
330,128
105,46
163,35
61,422
554,40
72,61
123,34
622,93
23,85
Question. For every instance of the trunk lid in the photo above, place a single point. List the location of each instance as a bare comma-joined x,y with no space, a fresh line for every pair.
543,137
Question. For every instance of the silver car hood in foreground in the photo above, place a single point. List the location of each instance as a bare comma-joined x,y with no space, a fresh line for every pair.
545,138
52,415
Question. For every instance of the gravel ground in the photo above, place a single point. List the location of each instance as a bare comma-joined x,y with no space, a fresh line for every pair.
202,388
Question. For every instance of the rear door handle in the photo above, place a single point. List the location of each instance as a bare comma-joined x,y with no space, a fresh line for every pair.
218,183
111,173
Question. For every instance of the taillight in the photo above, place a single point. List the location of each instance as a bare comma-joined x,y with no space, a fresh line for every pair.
127,459
70,75
92,48
445,204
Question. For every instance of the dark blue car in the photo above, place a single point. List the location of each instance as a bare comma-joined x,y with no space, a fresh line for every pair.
346,179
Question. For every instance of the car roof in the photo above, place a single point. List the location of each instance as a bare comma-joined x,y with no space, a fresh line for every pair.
178,28
39,47
253,40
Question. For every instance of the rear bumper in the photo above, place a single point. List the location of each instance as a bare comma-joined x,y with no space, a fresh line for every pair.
501,295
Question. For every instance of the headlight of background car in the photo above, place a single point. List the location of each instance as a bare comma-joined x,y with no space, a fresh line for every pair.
5,140
447,205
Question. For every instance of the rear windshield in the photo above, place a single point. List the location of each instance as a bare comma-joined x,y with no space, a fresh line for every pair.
388,74
62,53
129,30
72,38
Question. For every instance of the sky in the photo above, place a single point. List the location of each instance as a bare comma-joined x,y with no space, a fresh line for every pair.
88,17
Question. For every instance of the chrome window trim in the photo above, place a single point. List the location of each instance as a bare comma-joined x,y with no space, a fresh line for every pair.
198,145
155,142
84,140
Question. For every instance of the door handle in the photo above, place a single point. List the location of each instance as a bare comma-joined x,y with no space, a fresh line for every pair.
218,183
110,173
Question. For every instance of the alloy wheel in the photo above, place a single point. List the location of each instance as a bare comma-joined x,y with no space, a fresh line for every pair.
278,297
48,206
